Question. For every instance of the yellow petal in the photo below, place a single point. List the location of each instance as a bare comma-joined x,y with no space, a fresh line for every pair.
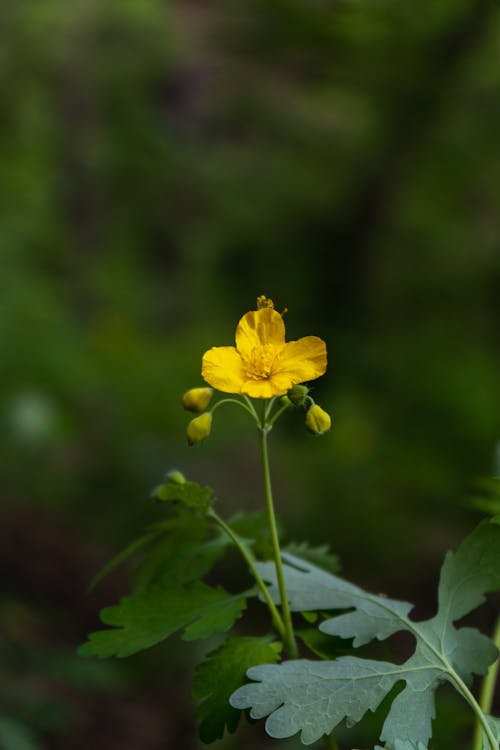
222,367
302,360
266,387
258,328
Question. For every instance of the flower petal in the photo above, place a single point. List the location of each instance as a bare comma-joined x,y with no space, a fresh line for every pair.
302,360
222,367
266,387
258,328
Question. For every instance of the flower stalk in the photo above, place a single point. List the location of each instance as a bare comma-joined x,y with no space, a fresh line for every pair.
245,553
289,635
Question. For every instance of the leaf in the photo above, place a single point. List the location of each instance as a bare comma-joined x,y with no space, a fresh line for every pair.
122,556
310,588
190,494
487,498
313,697
178,532
494,724
320,556
320,644
180,559
146,618
254,526
220,674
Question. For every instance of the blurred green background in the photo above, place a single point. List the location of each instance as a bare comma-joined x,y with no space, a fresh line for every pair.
162,164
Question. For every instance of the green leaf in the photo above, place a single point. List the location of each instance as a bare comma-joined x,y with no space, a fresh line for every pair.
254,529
183,536
220,674
487,498
313,697
320,556
190,494
310,617
125,553
146,618
180,559
320,644
494,724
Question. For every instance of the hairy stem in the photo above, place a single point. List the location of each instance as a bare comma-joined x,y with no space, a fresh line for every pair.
289,637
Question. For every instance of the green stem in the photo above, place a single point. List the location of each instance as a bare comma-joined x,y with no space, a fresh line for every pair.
481,718
487,690
277,414
247,407
289,637
278,622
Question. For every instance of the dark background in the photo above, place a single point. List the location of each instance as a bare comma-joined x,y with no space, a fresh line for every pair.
161,165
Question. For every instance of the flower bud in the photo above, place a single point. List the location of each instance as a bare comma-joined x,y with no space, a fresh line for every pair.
297,394
199,428
317,420
174,476
197,399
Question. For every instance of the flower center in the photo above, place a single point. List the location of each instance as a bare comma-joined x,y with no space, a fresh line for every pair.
260,362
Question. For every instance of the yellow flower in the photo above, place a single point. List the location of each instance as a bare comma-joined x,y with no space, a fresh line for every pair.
262,364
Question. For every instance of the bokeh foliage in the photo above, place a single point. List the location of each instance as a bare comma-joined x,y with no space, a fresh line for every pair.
163,163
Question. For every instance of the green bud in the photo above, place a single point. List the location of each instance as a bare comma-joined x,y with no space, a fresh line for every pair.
317,420
175,477
297,394
199,428
197,399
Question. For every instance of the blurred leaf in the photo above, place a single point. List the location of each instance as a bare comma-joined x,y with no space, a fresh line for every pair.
16,736
320,556
185,552
487,499
122,556
190,494
251,526
220,674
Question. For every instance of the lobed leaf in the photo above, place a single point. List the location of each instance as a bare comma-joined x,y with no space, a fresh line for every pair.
144,619
220,674
310,588
313,697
